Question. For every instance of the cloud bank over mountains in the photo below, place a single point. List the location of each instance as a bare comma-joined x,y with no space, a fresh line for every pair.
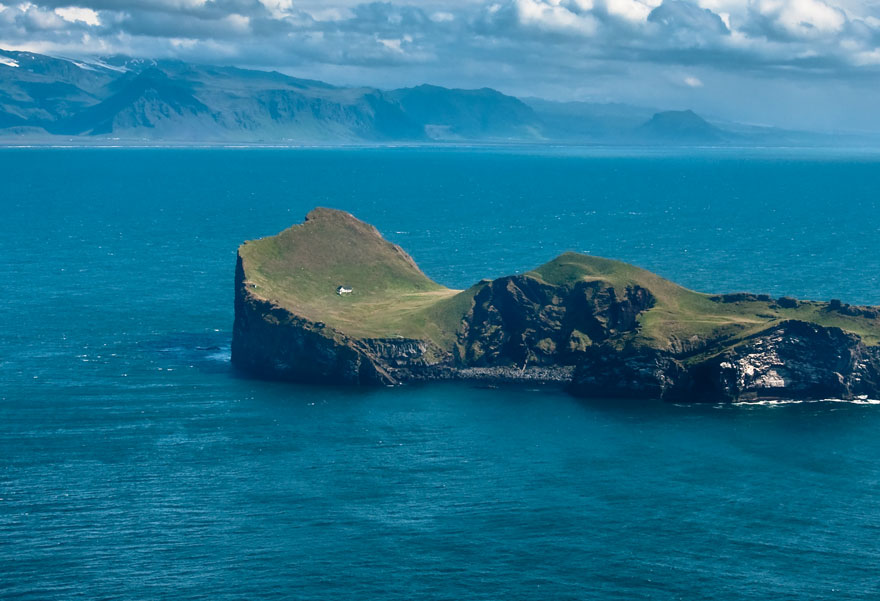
694,53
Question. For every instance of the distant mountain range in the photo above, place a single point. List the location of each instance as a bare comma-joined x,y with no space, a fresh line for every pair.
49,99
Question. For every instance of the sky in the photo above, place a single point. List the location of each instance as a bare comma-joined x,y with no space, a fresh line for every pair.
805,64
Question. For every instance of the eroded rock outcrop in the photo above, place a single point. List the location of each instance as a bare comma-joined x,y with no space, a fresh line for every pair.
522,320
792,360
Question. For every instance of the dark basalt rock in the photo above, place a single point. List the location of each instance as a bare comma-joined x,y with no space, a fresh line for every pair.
606,372
787,302
837,306
741,297
520,320
792,360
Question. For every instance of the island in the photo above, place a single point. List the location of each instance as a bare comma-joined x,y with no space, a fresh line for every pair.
331,301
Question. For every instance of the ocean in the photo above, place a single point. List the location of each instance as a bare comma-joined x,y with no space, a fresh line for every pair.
135,463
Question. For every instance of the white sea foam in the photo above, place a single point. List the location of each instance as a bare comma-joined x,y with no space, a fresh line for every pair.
223,355
863,400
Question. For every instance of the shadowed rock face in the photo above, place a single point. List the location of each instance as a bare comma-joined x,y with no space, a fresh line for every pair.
606,372
600,327
794,360
519,319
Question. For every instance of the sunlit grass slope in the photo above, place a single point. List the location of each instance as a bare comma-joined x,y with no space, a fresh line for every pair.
301,268
682,314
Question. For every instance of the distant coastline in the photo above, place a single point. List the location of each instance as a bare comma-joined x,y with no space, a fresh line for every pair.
126,101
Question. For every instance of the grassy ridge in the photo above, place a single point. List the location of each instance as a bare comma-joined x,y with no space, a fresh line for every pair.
301,268
681,314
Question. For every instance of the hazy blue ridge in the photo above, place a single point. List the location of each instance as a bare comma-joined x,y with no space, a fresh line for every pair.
682,127
468,114
46,99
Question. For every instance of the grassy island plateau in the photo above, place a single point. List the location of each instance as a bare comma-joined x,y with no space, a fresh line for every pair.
331,300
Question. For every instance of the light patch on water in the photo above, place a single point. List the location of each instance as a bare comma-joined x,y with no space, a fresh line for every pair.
224,355
9,62
220,357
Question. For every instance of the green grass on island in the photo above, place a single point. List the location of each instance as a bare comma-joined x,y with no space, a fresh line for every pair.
301,269
681,314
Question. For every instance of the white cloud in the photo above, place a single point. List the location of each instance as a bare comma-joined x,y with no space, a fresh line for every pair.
278,8
867,58
40,19
72,14
392,44
183,43
238,22
803,18
329,14
536,39
693,82
631,10
553,16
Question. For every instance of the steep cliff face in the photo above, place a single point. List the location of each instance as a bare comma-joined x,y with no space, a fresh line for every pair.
332,301
635,373
793,360
271,342
522,320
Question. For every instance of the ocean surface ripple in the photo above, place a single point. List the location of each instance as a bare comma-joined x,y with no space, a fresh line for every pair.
136,464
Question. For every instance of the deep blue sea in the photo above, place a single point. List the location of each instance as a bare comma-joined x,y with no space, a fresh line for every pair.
136,465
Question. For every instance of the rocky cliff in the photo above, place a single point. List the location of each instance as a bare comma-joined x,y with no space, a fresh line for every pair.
600,327
791,360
